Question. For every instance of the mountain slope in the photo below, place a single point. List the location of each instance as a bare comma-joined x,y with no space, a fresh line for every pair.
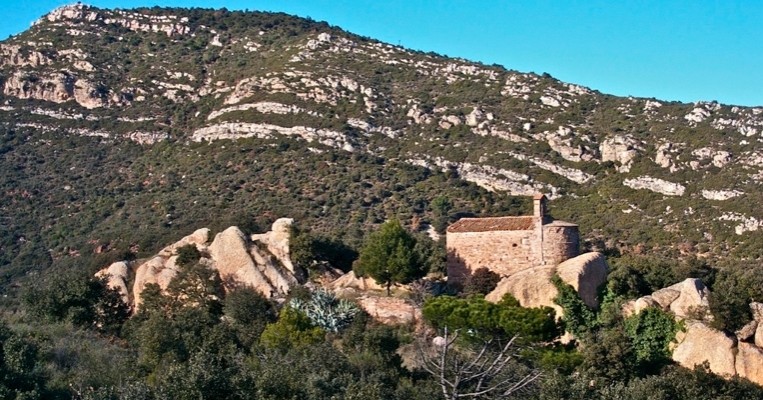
123,126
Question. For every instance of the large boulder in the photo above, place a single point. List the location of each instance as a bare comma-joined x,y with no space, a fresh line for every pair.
692,298
585,273
231,258
198,238
117,275
532,287
390,310
701,344
748,331
156,270
749,362
277,242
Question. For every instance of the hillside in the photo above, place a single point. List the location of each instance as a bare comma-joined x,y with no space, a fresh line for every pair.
124,129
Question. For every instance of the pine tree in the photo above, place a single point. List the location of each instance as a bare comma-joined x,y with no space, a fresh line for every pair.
389,256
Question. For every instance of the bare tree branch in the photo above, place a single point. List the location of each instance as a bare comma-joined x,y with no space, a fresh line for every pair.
465,372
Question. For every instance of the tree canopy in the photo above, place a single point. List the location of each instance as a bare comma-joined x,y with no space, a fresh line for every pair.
389,255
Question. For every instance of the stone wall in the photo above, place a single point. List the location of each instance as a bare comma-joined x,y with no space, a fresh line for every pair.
560,242
504,252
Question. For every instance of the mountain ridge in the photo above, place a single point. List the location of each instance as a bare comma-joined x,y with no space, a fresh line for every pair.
632,171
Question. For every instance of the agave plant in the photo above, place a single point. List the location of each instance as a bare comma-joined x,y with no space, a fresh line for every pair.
326,311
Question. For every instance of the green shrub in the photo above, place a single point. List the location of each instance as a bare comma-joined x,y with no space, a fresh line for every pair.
651,331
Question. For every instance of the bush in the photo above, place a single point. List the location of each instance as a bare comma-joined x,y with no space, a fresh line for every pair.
579,319
481,281
651,331
734,289
482,319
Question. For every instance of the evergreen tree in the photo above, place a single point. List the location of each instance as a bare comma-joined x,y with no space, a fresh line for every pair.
389,256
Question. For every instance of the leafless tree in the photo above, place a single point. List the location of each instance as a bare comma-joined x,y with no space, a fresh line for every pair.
488,370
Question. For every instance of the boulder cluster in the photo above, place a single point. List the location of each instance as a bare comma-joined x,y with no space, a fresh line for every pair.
727,355
260,261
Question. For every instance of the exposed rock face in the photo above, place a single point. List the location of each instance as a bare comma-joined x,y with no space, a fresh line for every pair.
116,276
682,299
702,343
720,194
655,185
231,258
264,131
353,282
12,55
239,261
664,156
749,362
620,149
533,286
57,87
390,310
585,273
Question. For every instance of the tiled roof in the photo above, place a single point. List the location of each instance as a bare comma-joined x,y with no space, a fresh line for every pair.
492,224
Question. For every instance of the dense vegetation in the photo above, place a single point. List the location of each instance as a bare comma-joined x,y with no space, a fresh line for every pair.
70,338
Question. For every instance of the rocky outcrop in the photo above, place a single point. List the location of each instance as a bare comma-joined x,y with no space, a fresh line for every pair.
700,344
390,310
533,287
158,270
720,194
685,299
11,55
231,258
116,276
619,149
265,131
586,273
261,262
350,281
169,24
655,185
56,87
746,224
277,242
240,263
727,355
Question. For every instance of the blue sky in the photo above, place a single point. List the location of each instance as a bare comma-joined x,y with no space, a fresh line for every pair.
671,50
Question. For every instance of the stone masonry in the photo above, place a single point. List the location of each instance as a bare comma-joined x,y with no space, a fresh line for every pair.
507,245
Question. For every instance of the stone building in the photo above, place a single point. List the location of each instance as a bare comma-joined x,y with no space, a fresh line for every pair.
507,245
